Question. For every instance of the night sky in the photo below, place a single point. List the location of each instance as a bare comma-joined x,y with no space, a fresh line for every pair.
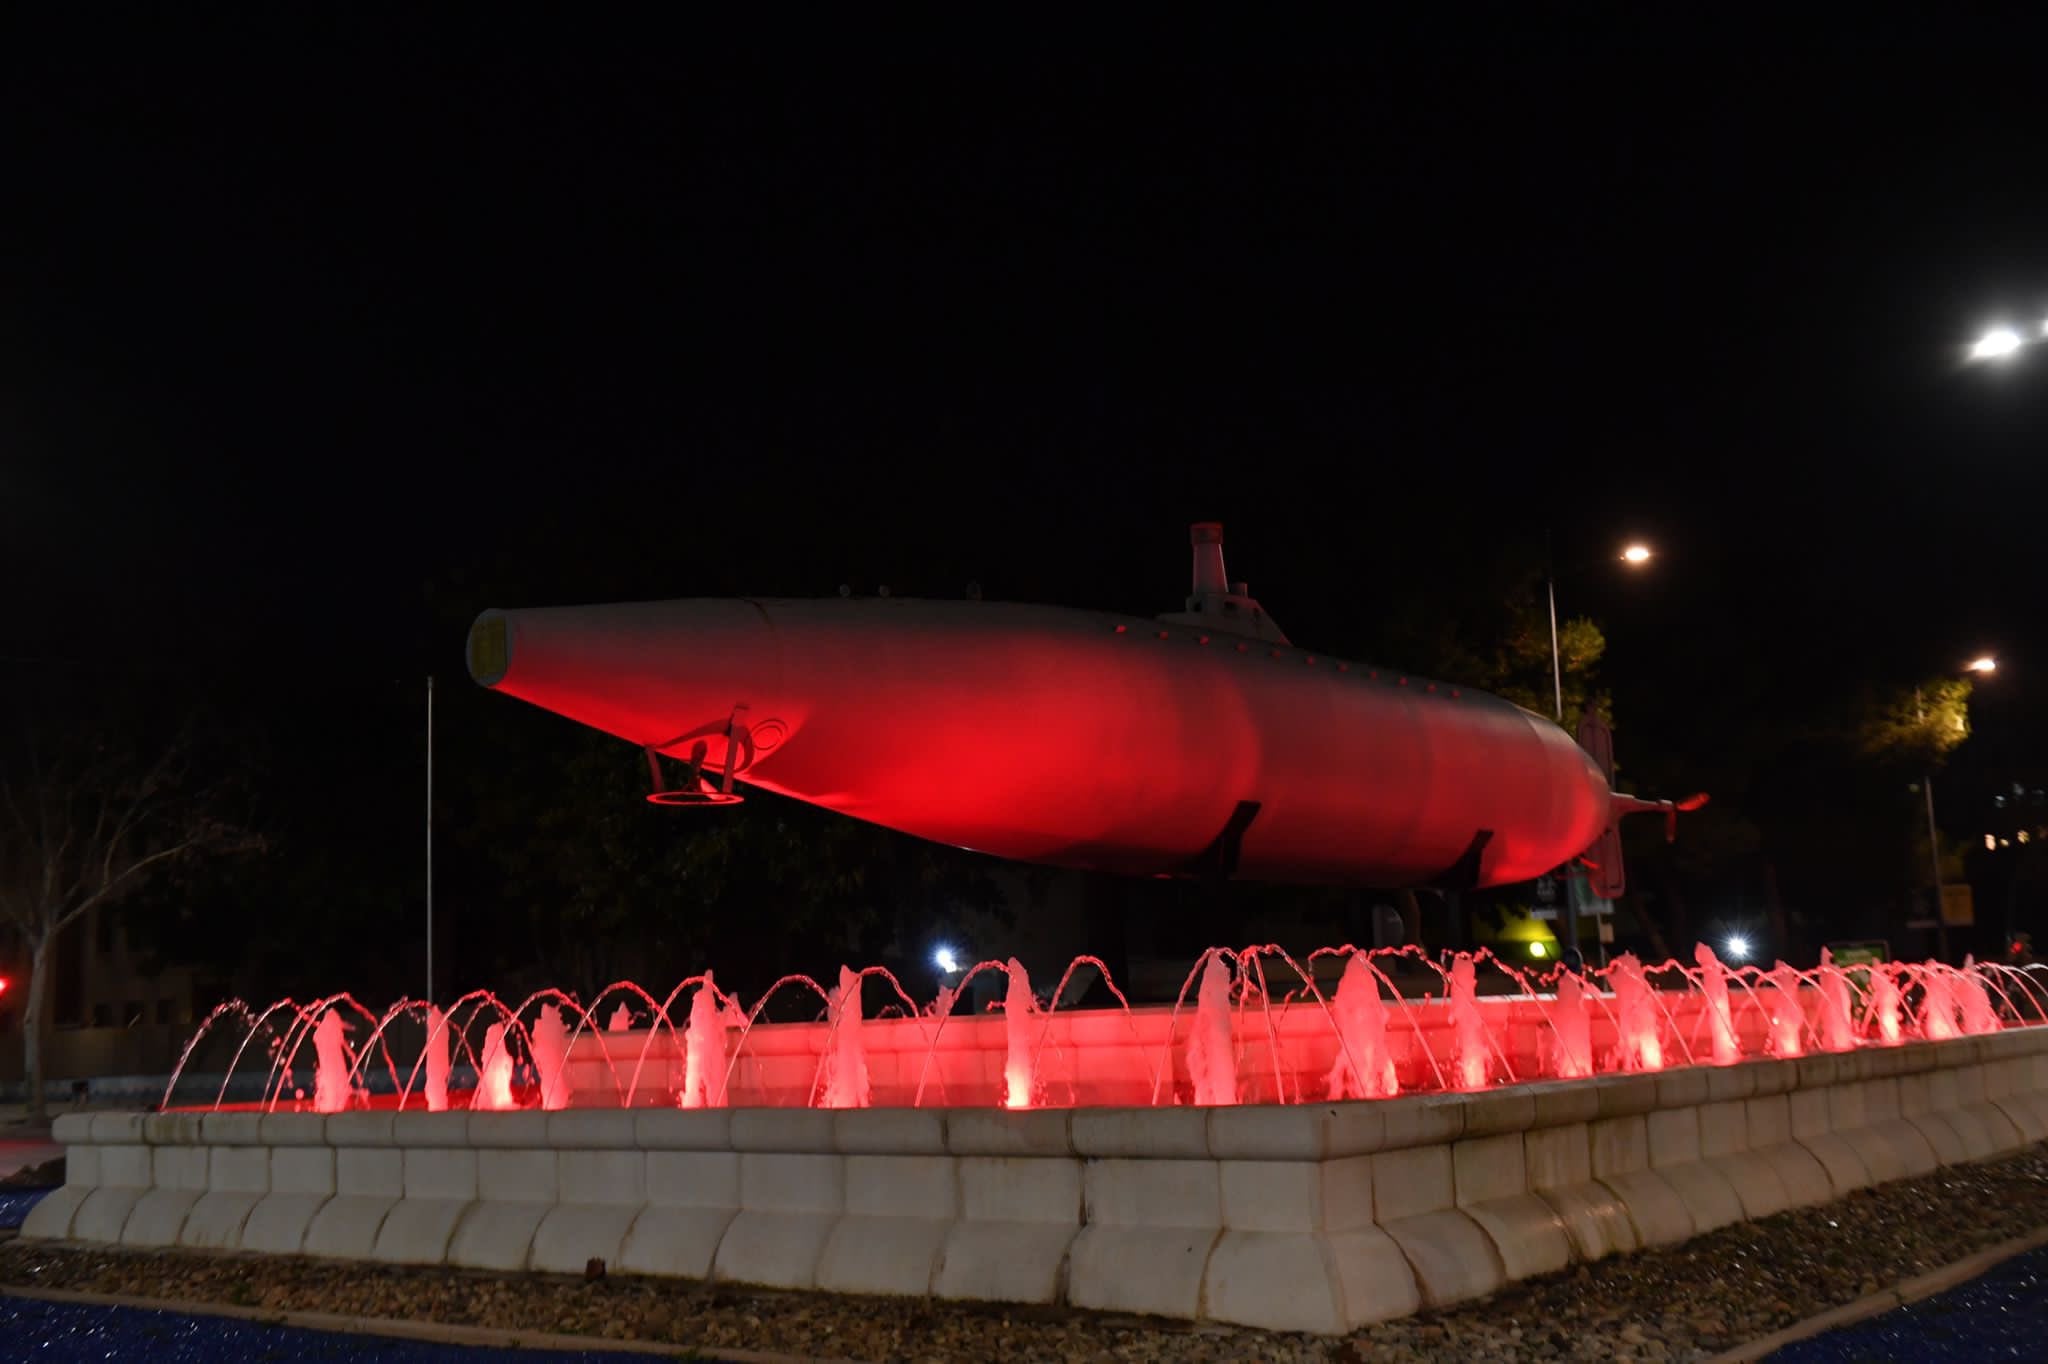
321,334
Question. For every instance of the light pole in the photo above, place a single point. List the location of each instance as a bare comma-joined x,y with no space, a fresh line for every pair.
1633,555
1984,664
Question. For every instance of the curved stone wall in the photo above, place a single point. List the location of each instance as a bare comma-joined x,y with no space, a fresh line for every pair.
1316,1217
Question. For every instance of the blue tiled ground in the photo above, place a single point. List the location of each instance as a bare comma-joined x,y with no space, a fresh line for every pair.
14,1205
53,1332
2000,1315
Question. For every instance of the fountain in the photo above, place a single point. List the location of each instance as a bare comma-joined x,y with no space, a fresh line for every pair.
1018,1008
1467,1122
1714,984
1211,1062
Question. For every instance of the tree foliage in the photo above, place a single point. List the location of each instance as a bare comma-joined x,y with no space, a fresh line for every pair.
1920,727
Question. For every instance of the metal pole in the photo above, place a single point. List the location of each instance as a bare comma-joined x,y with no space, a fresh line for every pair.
430,837
1934,853
1556,664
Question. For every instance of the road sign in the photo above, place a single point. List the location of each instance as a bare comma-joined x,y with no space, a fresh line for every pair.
1865,952
1958,908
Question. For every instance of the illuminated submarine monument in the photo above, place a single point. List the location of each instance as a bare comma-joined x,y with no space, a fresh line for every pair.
1267,1150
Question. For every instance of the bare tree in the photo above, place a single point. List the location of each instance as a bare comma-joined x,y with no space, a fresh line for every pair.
86,820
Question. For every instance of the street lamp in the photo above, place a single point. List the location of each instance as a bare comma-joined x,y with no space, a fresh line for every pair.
1634,556
1999,343
1983,664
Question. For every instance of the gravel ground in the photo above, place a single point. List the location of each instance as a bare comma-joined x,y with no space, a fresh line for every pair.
1682,1303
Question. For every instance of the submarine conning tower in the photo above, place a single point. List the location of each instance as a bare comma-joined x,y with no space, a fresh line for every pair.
1216,603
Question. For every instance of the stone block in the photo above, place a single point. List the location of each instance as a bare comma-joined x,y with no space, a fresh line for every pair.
1020,1189
417,1127
572,1129
126,1167
1373,1275
216,1220
914,1186
346,1226
1594,1218
805,1130
683,1129
1297,1195
1564,1103
369,1172
889,1131
1500,1111
674,1240
693,1179
1484,1168
301,1170
417,1230
594,1176
1727,1083
50,1218
1422,1120
1619,1145
1673,1136
1755,1181
525,1129
1724,1128
1322,1131
775,1249
232,1129
1005,1261
441,1173
71,1129
103,1214
82,1167
159,1215
1685,1087
1776,1076
1655,1208
1621,1096
779,1182
1153,1193
178,1167
1003,1132
572,1234
1845,1169
1556,1157
497,1234
1818,1071
172,1129
277,1225
512,1176
1768,1118
1809,1112
293,1129
1709,1199
1452,1258
1156,1270
1939,1134
238,1169
1277,1281
1412,1181
118,1129
1526,1232
1144,1133
869,1253
358,1128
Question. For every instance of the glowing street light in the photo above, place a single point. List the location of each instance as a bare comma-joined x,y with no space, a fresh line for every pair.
1986,664
1738,947
945,960
1636,554
1999,343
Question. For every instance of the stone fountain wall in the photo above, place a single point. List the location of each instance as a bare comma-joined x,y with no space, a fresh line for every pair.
1317,1217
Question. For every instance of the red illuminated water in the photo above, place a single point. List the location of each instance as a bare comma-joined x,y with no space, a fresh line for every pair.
1252,1025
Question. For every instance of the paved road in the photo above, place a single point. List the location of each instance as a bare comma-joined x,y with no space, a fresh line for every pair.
2002,1314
